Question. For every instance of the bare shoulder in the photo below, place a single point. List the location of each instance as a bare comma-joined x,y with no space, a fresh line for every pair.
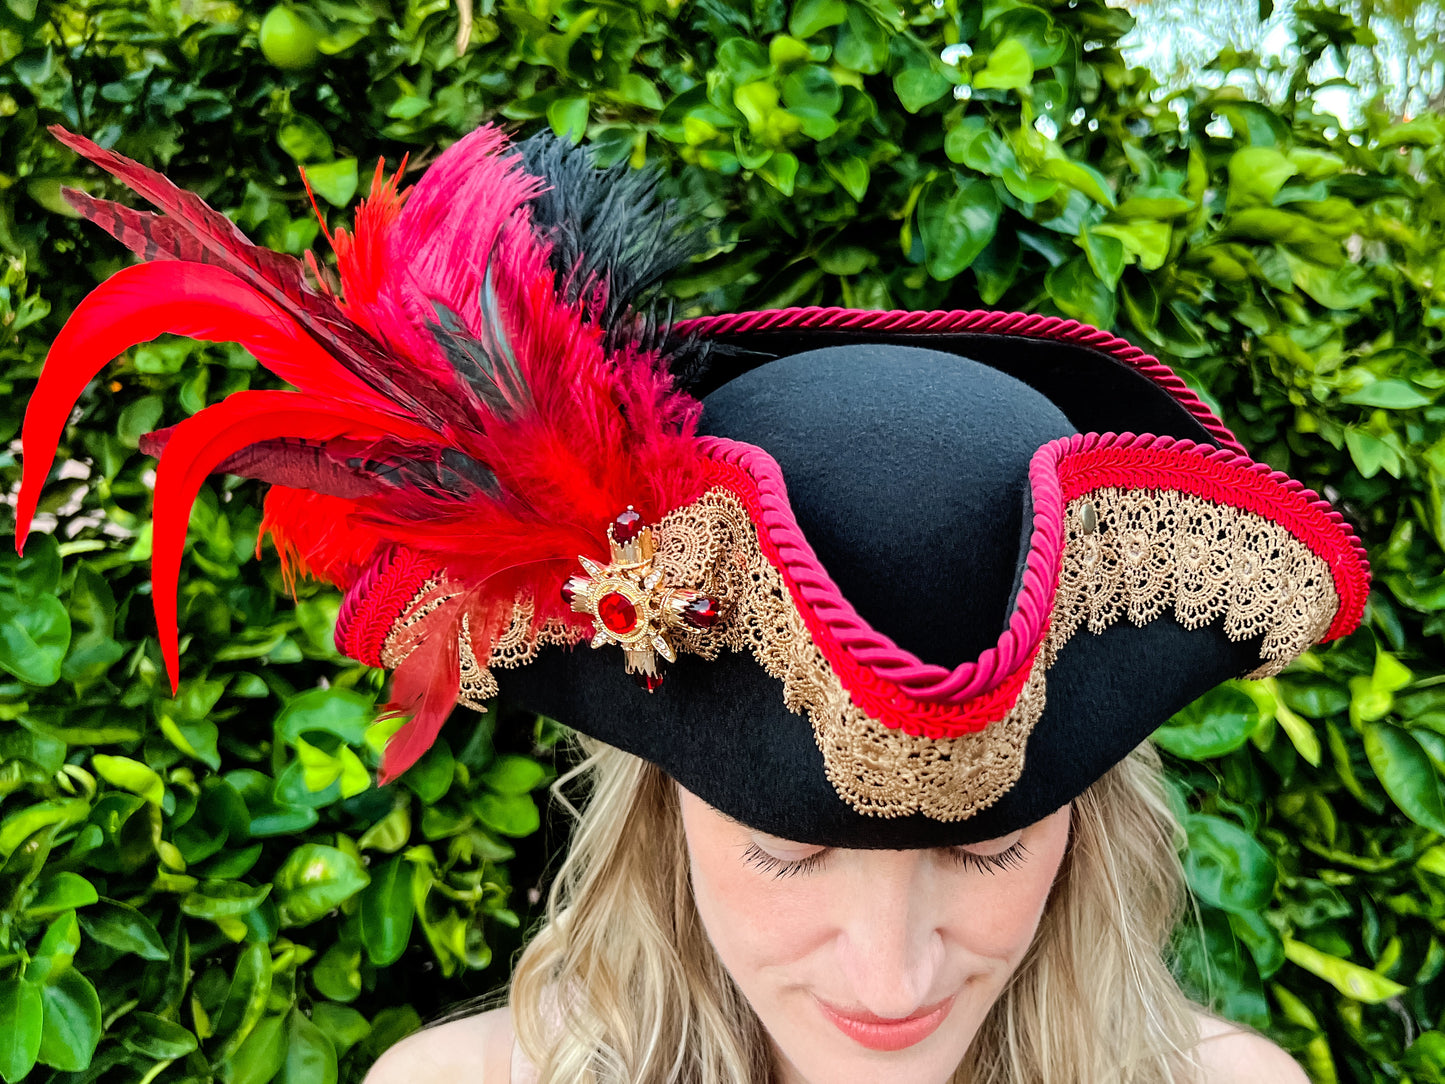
473,1050
1231,1055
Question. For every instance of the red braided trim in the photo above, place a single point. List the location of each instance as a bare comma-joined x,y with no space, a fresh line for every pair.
374,603
1096,460
978,322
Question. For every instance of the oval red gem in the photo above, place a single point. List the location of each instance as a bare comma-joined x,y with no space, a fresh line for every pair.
626,527
701,612
617,613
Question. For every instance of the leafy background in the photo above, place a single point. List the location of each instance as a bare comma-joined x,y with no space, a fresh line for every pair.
211,887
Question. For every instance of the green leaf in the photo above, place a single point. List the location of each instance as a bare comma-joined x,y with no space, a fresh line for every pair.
138,419
34,637
391,833
387,912
955,222
1406,773
345,713
514,775
19,826
810,16
123,928
1148,241
21,1014
71,1029
1218,722
245,999
431,776
1009,67
261,1056
335,182
1256,174
1391,394
1370,453
342,1024
639,90
223,899
56,949
131,775
63,891
1352,980
37,573
305,140
852,173
310,1057
918,85
1105,255
512,815
1079,293
1080,176
568,118
159,1038
315,880
1226,866
862,44
338,973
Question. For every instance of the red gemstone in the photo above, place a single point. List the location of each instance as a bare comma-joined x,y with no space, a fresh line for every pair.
574,586
650,682
617,613
701,612
626,527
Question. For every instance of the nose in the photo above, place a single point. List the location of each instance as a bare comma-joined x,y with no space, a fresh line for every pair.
889,944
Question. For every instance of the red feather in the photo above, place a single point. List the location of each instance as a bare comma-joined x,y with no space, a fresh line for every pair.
275,275
134,306
425,687
206,439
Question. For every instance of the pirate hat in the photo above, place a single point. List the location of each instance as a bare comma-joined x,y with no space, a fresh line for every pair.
888,580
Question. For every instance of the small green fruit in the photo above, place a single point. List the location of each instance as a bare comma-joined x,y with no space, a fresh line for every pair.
288,38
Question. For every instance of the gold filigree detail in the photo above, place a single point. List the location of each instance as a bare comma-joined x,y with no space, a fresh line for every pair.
1130,555
1153,551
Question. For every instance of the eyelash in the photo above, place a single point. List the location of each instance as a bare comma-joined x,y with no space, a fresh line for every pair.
1012,858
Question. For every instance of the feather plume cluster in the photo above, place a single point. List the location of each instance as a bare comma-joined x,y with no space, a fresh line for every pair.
480,388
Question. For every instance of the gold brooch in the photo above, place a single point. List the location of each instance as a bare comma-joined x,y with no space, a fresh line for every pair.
631,606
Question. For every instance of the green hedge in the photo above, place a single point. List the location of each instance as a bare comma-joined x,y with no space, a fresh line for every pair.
211,887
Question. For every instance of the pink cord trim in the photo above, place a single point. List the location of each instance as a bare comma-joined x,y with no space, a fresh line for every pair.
899,689
976,321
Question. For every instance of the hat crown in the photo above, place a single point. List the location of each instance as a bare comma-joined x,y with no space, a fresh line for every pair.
907,469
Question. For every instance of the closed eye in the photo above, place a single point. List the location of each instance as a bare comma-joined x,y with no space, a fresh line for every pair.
1011,858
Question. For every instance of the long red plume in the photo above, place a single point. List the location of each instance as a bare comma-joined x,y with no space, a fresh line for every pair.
134,306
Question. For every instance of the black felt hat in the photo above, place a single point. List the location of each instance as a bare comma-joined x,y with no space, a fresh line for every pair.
900,580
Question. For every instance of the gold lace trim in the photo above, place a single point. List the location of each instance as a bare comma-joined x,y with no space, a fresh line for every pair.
518,644
1146,552
1152,551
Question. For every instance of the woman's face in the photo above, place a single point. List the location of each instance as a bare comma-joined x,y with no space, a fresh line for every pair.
869,966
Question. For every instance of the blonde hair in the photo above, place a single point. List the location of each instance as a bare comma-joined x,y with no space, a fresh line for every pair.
622,986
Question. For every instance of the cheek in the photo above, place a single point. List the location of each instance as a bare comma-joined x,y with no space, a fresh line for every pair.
753,921
1003,909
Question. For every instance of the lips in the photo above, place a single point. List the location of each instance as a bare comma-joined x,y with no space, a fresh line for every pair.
887,1033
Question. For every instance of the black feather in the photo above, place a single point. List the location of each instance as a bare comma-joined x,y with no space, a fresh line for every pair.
611,228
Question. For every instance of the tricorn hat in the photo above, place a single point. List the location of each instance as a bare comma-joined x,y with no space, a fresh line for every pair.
862,579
